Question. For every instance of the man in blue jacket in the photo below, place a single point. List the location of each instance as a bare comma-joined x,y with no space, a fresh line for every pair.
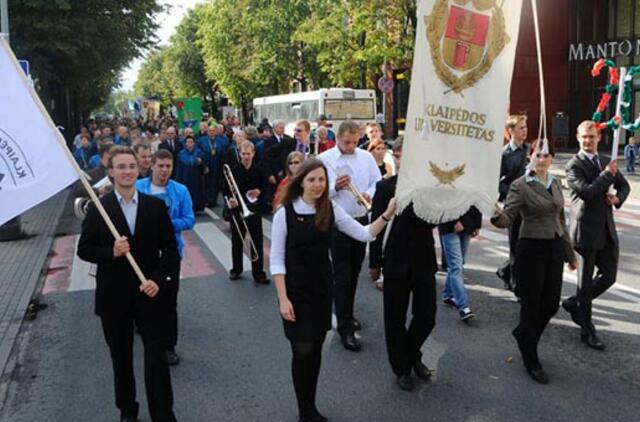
180,206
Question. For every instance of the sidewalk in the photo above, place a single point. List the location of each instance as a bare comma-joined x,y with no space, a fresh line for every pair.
21,265
561,159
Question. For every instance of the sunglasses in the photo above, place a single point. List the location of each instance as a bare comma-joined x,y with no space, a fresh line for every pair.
294,162
297,130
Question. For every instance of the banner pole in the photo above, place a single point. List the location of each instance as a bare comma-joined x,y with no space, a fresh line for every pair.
618,131
72,160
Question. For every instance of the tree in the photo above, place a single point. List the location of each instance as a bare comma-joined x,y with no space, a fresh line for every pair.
77,48
248,48
157,77
355,38
183,52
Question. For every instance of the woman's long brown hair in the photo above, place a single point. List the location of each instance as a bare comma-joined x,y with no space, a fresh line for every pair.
294,190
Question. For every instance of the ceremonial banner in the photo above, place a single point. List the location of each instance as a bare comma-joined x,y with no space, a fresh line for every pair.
33,164
189,113
460,84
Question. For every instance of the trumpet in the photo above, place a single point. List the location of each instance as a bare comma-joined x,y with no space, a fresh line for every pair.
244,212
360,199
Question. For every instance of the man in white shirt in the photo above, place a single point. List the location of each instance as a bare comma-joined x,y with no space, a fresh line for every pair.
348,165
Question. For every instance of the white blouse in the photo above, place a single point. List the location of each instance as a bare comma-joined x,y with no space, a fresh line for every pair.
343,221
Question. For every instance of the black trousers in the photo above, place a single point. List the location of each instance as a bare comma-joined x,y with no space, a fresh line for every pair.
403,344
172,323
590,287
506,269
539,267
305,369
118,334
254,223
347,255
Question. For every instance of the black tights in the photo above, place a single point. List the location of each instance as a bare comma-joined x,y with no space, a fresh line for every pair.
305,368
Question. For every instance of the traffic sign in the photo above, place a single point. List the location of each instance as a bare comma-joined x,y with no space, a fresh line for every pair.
385,84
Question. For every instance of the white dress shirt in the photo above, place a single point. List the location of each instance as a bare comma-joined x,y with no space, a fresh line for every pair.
129,209
342,221
364,173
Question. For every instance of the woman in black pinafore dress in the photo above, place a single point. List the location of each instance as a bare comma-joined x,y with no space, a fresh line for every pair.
301,269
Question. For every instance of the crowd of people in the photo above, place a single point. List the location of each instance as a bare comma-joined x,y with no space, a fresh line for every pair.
332,195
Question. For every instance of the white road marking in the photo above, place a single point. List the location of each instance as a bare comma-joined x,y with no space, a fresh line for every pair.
219,244
80,278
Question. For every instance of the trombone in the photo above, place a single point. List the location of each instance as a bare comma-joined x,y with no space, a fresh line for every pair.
360,199
244,212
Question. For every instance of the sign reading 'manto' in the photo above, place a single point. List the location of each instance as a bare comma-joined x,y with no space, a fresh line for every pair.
604,50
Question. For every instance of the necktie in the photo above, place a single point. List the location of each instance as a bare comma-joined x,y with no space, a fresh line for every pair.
301,148
596,162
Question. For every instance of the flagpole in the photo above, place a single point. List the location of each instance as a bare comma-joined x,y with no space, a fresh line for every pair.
617,132
74,164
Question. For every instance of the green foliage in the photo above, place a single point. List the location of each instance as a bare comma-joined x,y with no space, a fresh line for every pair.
248,48
117,102
157,77
354,38
82,45
187,61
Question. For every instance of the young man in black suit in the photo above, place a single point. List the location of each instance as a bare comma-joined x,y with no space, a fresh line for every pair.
512,165
121,299
593,230
408,261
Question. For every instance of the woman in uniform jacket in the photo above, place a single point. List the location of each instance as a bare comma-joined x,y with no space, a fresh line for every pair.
543,247
301,269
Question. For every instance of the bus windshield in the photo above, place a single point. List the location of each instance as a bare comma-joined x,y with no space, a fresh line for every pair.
341,109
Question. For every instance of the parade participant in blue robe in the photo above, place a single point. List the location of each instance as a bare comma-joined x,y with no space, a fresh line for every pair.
189,172
84,152
214,149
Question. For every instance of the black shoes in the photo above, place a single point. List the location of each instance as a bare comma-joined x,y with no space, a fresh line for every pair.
539,375
506,279
405,382
263,280
422,371
233,276
128,419
172,357
571,307
350,342
592,340
314,416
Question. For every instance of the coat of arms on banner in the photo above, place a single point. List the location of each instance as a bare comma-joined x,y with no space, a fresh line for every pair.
465,36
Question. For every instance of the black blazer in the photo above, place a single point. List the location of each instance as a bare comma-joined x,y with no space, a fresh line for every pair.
512,165
277,154
153,246
177,147
592,217
409,252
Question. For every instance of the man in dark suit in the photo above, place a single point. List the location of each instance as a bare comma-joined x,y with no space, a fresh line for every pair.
592,228
408,261
512,165
120,298
172,144
277,150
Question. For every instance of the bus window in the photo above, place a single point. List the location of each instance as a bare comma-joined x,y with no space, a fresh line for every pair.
349,109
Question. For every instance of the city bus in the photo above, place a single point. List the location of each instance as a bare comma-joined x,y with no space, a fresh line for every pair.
337,104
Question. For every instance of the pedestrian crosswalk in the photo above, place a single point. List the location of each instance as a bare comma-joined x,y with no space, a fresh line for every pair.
208,249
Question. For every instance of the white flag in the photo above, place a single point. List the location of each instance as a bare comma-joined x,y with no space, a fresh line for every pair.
33,164
460,85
